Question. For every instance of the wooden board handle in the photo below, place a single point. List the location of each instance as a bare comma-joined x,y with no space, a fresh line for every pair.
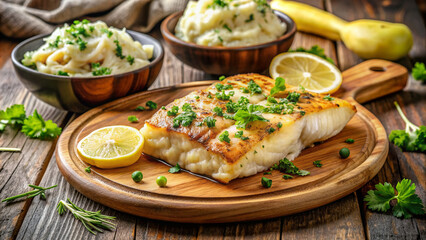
372,79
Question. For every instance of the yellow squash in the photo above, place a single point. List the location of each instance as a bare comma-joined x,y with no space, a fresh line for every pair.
367,38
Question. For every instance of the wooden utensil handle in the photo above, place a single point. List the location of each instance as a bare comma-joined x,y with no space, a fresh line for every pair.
372,79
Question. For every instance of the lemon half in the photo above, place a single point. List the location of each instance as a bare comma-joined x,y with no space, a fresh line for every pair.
111,147
308,70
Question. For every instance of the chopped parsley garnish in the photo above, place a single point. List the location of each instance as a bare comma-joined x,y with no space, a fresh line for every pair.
108,32
55,43
271,99
88,169
140,108
270,130
349,140
408,203
36,127
133,119
244,117
100,71
302,113
266,182
314,50
218,111
223,96
220,38
91,28
279,125
175,169
293,97
317,163
173,112
224,137
221,78
151,105
328,98
302,89
286,176
218,3
118,50
251,18
130,59
186,118
61,73
244,90
163,108
232,107
197,97
286,166
279,86
210,121
82,44
419,72
227,27
220,87
254,88
239,134
267,173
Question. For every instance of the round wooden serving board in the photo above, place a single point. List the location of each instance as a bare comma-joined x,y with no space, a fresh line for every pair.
191,198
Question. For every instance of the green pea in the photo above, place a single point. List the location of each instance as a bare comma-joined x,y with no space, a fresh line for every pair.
137,176
344,153
266,182
161,181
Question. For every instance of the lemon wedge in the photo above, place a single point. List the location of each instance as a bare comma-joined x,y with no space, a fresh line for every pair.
111,147
308,70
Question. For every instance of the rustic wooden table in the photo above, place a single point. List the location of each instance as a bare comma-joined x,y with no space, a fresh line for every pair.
346,218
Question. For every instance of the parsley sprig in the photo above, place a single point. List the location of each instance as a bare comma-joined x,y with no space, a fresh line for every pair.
245,117
279,86
408,202
286,166
92,221
412,139
419,72
13,115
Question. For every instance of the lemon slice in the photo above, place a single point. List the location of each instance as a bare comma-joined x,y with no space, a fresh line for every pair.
308,70
111,147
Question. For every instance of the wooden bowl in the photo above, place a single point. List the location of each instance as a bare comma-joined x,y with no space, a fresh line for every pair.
227,60
78,94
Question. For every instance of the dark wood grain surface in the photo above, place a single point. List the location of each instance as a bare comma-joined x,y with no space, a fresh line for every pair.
346,218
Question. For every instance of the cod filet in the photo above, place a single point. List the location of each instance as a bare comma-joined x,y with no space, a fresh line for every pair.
275,128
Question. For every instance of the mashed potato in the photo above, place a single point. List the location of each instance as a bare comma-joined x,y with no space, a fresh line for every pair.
229,23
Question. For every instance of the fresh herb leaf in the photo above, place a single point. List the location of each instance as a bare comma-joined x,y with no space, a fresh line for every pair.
55,44
37,191
218,3
218,111
61,73
224,137
279,125
175,169
317,163
419,72
286,176
271,130
349,140
293,97
314,50
97,70
186,118
271,99
266,182
220,38
133,119
244,117
239,134
220,87
254,88
279,86
251,18
14,115
173,112
286,166
35,127
118,50
302,113
328,98
82,44
223,96
92,221
210,121
408,202
108,32
140,108
221,78
244,90
130,59
227,27
151,105
412,139
88,169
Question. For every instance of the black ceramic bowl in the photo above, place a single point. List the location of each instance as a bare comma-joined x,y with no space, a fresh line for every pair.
78,94
227,60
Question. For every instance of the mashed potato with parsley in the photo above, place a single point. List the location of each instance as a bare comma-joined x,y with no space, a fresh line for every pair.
229,23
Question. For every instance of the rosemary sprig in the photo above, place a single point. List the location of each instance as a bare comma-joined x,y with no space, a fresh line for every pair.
92,221
37,191
8,149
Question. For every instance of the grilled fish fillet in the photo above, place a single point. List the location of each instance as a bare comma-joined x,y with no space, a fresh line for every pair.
199,150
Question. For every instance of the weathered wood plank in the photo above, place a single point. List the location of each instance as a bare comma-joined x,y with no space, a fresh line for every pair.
398,165
17,170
